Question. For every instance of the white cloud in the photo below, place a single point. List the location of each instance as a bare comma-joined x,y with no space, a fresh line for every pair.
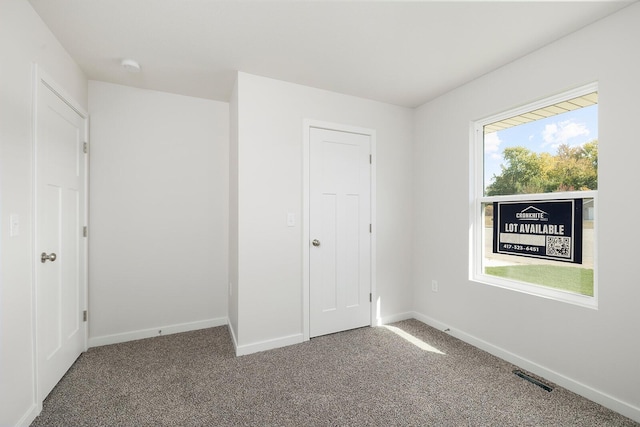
492,143
561,132
549,133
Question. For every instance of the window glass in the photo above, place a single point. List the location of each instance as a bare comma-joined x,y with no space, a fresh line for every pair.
549,154
535,207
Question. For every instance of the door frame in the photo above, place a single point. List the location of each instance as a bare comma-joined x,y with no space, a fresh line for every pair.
307,125
40,76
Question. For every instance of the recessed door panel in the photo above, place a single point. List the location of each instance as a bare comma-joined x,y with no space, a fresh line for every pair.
340,217
60,252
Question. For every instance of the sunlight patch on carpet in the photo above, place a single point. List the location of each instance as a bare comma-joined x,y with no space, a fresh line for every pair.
413,340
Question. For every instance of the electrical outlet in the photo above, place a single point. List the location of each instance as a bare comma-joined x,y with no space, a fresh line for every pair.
434,285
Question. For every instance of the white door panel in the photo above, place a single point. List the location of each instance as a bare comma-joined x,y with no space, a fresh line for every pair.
339,219
59,221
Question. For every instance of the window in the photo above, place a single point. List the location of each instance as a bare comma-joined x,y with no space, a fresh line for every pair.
535,198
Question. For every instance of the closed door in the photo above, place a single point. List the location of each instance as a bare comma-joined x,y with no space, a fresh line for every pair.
340,234
60,251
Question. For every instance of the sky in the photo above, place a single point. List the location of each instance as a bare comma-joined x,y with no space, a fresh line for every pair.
574,128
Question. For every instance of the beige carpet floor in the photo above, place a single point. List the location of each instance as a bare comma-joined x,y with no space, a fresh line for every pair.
363,377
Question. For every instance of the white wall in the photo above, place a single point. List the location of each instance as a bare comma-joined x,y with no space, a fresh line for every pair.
594,352
233,213
270,123
158,213
24,39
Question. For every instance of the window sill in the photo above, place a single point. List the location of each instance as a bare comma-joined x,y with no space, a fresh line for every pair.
539,291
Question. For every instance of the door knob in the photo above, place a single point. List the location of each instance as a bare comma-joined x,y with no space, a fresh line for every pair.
51,257
315,242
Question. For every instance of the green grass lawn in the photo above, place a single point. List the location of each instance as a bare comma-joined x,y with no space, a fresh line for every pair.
572,279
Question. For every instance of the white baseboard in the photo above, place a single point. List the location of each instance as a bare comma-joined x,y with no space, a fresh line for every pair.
30,416
385,320
154,332
243,350
234,339
577,387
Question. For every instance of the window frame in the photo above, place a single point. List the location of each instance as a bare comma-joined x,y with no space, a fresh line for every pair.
478,198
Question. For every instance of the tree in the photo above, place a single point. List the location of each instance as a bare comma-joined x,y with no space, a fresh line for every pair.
526,172
519,175
576,168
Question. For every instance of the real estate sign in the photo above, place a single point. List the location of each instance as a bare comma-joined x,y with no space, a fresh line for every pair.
548,229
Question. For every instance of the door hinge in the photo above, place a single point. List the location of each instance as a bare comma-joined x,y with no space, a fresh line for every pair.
370,297
370,228
84,231
370,159
85,147
84,316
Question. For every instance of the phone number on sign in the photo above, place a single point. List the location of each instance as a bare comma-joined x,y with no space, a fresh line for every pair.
521,247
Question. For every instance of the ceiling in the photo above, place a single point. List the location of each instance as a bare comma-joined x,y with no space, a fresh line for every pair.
403,53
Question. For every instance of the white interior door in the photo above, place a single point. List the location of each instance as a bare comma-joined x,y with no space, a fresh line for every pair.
60,250
340,234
